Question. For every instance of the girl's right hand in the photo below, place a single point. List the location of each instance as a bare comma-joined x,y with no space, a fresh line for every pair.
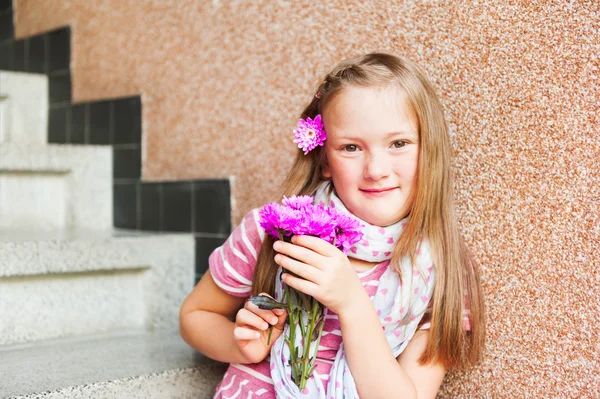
251,331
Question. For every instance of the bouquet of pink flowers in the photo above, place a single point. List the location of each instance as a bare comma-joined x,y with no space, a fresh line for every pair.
298,216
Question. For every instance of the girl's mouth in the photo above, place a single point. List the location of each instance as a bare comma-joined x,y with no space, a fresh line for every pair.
378,192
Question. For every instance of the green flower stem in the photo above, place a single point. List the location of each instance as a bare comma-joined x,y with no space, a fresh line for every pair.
291,340
298,304
308,358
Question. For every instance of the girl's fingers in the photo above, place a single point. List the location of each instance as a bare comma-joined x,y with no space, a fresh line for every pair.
266,315
301,285
245,317
244,334
303,270
316,244
302,254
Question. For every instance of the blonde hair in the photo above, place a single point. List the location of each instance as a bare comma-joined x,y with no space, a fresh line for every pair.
432,213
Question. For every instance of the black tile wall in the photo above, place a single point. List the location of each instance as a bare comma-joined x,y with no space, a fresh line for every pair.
127,116
5,5
6,55
59,46
59,87
212,208
99,123
127,162
78,123
125,200
177,206
204,247
19,59
36,55
151,206
57,125
6,25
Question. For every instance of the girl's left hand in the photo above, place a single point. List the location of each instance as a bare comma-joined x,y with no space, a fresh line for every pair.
326,273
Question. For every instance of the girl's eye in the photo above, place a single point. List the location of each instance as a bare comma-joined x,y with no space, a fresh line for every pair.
350,148
399,144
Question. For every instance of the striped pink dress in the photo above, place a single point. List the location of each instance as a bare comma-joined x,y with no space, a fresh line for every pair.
232,267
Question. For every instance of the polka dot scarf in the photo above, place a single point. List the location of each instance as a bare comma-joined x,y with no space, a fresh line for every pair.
377,242
400,307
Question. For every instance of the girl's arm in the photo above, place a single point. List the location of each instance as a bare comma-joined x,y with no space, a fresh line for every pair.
205,321
428,378
205,324
376,373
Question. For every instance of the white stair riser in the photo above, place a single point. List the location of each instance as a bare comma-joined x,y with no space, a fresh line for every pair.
115,273
55,186
33,200
62,305
4,118
26,105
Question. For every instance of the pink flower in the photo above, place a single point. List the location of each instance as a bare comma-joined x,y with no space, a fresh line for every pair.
298,216
309,134
320,223
298,202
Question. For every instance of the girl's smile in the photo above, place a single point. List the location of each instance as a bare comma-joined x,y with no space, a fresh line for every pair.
378,192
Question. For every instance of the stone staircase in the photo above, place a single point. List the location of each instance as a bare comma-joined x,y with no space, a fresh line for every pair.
86,310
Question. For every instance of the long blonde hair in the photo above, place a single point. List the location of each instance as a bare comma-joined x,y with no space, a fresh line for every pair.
432,215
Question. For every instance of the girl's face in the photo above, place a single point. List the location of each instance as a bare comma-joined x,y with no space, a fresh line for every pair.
372,152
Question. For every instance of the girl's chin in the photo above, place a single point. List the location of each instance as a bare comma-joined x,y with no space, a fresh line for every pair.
379,220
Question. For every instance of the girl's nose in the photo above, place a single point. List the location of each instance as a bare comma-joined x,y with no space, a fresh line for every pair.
377,167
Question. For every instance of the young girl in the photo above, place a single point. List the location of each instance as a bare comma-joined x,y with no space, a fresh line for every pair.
406,304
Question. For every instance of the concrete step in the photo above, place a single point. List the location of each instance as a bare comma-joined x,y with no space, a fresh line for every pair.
131,365
55,186
23,107
81,282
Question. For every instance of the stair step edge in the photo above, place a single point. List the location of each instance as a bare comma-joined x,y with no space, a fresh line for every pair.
118,362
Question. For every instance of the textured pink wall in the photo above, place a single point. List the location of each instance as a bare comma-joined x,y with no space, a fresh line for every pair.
222,84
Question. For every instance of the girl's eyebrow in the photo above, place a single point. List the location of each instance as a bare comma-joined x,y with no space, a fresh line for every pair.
401,132
387,135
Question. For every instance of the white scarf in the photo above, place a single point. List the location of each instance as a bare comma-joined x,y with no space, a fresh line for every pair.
400,307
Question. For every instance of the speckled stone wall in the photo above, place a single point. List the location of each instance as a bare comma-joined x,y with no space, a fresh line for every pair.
222,84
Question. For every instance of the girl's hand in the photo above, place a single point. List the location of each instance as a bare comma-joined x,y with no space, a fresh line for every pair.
326,273
251,330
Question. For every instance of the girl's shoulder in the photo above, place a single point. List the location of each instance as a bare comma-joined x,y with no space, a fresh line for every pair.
250,225
232,264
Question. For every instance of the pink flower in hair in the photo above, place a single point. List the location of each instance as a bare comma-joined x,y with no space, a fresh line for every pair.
309,134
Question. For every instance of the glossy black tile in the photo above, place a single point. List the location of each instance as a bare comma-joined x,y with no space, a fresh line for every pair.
5,5
127,163
204,247
59,87
150,206
59,45
99,123
177,206
36,54
57,125
6,26
78,123
127,116
125,205
6,55
212,205
19,55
